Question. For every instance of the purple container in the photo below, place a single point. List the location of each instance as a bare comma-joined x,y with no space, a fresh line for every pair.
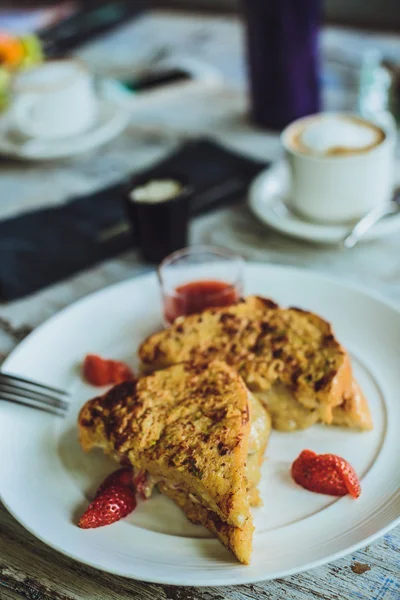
282,43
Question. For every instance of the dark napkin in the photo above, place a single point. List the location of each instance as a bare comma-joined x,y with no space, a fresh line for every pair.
45,246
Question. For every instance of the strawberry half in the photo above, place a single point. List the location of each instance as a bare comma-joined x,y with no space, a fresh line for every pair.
122,477
95,370
110,505
102,371
119,371
325,474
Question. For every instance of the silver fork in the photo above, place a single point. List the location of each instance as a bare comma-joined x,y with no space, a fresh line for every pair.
30,393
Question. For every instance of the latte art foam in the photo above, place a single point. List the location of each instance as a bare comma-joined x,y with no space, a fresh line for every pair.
335,135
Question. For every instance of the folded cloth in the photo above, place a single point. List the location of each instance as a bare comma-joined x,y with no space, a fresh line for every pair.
45,246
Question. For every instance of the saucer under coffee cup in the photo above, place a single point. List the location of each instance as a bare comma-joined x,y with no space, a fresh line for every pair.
341,166
54,99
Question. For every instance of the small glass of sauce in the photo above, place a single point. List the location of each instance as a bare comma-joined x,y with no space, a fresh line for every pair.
199,277
158,209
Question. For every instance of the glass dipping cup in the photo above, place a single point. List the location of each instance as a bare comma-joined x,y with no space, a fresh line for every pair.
199,277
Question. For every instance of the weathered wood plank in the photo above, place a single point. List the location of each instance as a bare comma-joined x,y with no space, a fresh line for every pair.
8,594
26,564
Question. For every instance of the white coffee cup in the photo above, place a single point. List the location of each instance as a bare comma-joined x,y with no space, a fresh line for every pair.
347,172
54,99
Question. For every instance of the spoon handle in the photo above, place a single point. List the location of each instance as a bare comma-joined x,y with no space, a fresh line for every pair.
365,224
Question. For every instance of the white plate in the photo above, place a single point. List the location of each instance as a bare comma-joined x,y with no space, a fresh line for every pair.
267,197
46,479
111,121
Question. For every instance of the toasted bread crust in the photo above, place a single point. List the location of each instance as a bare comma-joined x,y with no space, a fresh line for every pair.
267,345
353,410
237,539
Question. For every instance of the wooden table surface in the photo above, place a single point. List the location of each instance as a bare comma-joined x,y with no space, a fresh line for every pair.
29,569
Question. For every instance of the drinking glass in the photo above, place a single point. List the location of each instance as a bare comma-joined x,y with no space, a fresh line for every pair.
199,277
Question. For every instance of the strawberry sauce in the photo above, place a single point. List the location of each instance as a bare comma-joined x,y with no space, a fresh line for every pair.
196,296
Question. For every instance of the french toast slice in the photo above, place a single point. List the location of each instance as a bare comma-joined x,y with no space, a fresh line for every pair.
190,428
288,357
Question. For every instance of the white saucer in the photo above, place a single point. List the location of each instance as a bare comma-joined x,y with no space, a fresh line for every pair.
267,196
110,122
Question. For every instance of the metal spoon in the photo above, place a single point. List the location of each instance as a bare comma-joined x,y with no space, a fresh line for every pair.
369,220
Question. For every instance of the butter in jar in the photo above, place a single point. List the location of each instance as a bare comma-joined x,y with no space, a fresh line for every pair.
159,212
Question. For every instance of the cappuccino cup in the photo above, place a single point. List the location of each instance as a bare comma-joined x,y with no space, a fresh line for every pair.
341,166
54,99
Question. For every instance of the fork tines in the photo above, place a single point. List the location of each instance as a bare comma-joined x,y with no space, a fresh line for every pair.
30,393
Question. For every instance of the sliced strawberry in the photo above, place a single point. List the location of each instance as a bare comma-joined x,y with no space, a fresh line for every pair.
101,371
112,504
96,370
325,474
120,371
122,477
350,477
